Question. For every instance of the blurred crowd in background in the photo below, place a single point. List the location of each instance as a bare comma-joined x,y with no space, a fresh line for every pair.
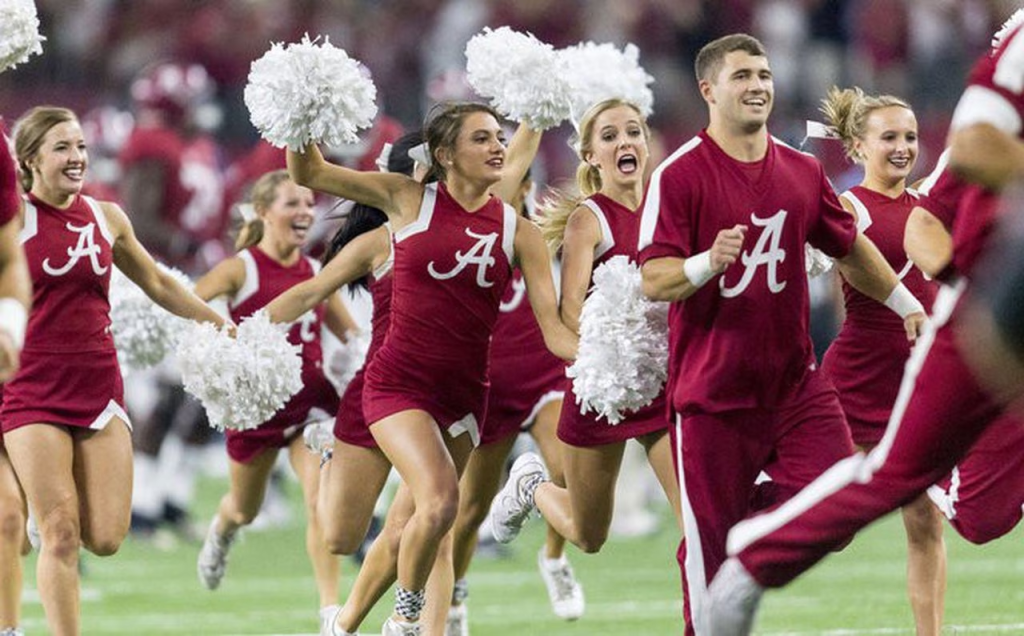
917,49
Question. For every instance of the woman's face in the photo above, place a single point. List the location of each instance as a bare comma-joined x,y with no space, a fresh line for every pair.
479,149
618,144
290,215
58,168
889,146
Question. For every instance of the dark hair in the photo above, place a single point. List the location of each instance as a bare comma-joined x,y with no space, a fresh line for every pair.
442,128
712,55
399,160
360,220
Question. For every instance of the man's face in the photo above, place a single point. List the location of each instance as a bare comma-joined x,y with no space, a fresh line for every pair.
742,92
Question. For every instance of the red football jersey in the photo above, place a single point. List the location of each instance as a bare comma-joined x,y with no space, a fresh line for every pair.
742,340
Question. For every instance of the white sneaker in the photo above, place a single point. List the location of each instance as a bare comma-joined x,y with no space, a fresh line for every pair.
11,631
328,617
733,597
394,627
213,557
458,621
514,503
564,590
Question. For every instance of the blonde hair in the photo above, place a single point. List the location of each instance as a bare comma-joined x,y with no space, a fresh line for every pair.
264,191
29,131
847,111
555,210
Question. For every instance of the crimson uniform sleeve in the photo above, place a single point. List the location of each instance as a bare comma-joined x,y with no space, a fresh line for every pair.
10,202
834,230
665,221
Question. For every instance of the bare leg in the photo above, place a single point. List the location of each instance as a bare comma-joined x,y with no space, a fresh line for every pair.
326,566
926,564
350,484
544,435
659,454
582,511
429,466
477,488
12,539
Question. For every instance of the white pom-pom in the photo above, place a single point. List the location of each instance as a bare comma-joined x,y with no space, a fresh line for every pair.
19,33
1011,23
596,72
817,262
144,332
241,381
520,75
623,354
347,359
309,92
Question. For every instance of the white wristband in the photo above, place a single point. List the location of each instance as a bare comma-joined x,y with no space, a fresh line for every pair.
698,269
13,319
903,302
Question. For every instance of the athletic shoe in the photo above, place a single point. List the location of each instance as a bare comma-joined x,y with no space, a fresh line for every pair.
213,557
733,597
394,627
329,622
514,503
564,590
458,621
11,631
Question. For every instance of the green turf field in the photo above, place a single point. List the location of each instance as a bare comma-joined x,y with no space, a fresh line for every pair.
631,587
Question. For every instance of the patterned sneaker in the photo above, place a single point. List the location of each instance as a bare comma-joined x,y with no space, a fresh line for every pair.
514,503
393,627
213,557
11,631
564,590
733,597
458,621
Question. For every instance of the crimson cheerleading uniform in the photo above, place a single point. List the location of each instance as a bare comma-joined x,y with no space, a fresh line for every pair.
451,270
865,361
742,376
69,373
525,375
620,228
265,280
941,411
350,425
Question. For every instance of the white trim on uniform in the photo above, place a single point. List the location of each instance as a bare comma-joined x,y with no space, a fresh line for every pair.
981,105
30,225
693,566
544,400
468,424
652,205
384,268
252,279
929,181
422,222
1009,73
112,410
508,232
314,263
864,220
101,219
607,238
859,467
